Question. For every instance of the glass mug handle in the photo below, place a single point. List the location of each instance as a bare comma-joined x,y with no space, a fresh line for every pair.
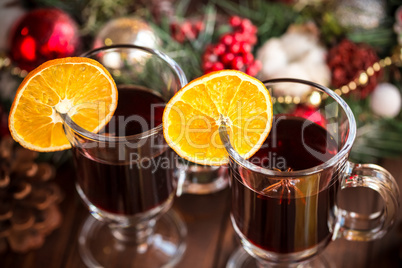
380,180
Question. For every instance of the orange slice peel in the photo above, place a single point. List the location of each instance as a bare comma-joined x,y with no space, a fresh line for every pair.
192,117
55,88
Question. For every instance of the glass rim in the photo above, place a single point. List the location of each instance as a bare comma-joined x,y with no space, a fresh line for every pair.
104,138
304,172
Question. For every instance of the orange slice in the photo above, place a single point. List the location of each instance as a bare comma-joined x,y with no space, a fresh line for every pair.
53,89
192,117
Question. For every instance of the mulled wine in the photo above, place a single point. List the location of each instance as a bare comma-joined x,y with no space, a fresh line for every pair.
131,186
287,214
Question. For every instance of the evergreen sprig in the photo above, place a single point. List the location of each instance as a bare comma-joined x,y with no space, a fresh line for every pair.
378,140
189,53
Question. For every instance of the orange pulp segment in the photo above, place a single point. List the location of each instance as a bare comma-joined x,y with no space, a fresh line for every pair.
54,88
192,117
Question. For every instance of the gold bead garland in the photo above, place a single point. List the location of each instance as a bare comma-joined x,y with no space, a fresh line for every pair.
365,75
5,63
361,80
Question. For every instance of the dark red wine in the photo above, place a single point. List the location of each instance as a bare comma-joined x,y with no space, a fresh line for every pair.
136,186
287,216
138,110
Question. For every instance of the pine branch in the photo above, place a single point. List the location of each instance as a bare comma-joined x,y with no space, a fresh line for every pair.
377,140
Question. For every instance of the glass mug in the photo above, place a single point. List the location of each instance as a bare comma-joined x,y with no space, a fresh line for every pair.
284,198
201,179
125,174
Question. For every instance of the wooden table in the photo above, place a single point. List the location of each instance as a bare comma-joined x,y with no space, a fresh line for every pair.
211,238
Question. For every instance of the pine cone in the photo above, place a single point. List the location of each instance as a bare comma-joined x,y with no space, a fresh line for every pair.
28,201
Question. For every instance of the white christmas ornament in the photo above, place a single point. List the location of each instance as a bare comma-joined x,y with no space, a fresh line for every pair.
386,100
297,54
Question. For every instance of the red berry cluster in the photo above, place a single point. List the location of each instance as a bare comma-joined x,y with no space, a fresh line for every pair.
187,30
234,49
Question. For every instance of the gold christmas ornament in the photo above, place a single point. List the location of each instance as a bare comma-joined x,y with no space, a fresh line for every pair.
126,30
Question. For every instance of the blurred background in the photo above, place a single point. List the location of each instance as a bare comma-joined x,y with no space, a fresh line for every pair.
351,46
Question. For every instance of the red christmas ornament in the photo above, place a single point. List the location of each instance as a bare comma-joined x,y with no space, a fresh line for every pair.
41,35
347,61
310,113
